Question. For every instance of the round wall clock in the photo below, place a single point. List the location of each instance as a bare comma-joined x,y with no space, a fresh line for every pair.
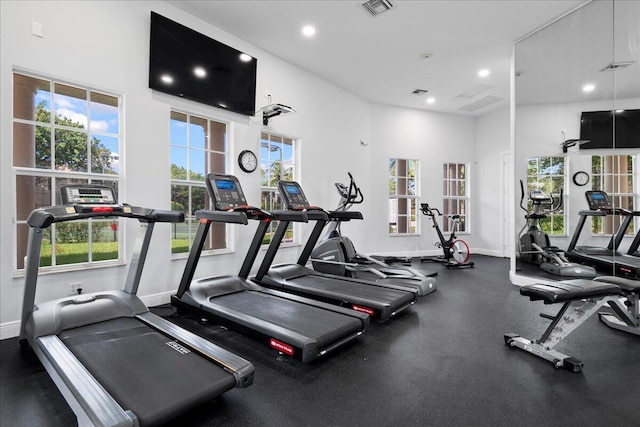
247,161
580,178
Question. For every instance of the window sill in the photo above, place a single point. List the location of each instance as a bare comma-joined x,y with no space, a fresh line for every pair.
44,271
214,252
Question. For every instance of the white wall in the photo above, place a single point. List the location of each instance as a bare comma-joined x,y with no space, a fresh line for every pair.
104,44
432,138
492,142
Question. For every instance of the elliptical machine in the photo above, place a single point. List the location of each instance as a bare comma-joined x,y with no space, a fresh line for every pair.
455,251
534,245
336,254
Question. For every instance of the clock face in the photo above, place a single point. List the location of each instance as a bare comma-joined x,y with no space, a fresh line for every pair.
247,161
581,178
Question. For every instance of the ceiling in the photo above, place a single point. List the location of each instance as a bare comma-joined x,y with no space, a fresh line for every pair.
382,58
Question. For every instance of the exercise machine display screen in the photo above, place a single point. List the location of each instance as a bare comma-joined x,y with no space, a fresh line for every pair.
598,200
226,192
293,196
87,195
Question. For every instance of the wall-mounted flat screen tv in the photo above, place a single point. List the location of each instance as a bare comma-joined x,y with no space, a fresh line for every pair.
598,127
185,63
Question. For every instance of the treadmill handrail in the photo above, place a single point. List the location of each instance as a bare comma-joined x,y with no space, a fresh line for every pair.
227,217
94,401
44,217
345,215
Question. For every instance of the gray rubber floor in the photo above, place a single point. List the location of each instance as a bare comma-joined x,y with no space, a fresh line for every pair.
444,362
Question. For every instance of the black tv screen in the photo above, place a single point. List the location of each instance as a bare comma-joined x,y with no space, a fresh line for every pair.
598,127
185,63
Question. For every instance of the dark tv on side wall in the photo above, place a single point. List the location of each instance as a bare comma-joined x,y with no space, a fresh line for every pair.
610,129
185,63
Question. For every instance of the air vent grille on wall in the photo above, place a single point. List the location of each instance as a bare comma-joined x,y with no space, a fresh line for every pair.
376,7
617,66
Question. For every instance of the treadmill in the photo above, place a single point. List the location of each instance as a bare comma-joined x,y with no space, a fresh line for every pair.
115,362
608,259
299,327
381,301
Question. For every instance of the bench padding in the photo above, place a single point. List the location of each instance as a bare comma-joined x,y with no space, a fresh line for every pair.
627,285
568,290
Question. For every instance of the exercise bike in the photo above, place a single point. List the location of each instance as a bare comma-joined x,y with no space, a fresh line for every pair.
336,254
534,245
456,252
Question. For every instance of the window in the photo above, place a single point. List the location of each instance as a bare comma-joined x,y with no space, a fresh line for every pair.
64,134
547,174
198,147
616,176
455,195
403,196
277,162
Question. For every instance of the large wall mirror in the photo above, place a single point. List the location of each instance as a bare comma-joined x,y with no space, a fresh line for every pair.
577,80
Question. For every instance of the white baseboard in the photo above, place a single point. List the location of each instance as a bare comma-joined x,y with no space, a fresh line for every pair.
12,329
9,329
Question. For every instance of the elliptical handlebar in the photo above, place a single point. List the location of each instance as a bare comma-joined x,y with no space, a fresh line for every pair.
542,199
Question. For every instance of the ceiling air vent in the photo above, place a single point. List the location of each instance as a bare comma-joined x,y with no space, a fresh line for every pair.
376,7
617,66
419,91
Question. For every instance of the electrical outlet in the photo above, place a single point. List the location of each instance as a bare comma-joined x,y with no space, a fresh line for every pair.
75,288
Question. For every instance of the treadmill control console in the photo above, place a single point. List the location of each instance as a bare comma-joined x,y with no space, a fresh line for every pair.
226,192
598,200
293,195
90,194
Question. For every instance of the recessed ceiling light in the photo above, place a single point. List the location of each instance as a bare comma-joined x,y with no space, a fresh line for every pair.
483,73
244,57
588,88
166,78
200,72
619,111
308,30
431,100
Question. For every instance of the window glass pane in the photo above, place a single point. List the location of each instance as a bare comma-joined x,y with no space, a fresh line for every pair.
411,187
105,157
25,154
287,173
71,150
32,98
393,186
178,129
180,232
218,136
70,105
104,244
402,185
178,163
31,193
287,151
198,132
104,113
72,243
197,165
217,163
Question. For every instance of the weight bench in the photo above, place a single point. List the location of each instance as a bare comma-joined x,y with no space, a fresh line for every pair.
623,313
581,298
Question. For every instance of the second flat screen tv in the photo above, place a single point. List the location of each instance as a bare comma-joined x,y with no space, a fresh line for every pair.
185,63
599,127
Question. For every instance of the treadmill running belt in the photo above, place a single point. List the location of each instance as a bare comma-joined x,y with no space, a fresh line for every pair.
325,286
145,371
325,326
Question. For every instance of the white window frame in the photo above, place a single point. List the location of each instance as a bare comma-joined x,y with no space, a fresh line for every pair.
396,196
190,220
556,194
450,185
615,176
54,174
294,165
